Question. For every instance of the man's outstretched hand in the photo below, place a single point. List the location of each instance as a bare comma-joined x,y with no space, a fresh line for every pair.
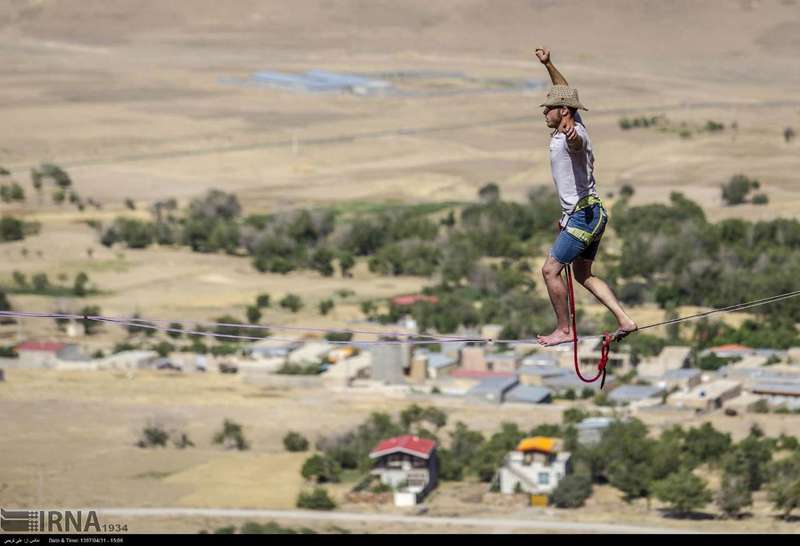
543,54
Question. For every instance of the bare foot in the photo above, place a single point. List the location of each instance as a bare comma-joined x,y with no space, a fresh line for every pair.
558,336
624,329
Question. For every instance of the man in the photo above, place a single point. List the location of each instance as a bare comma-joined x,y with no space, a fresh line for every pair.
584,218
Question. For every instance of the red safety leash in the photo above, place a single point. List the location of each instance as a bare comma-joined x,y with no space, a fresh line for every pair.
604,349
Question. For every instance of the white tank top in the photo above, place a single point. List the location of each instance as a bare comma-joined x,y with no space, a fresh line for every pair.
573,172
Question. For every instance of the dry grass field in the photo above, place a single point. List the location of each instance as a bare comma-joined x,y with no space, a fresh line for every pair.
130,97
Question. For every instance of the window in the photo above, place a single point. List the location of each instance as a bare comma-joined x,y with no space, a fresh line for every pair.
544,478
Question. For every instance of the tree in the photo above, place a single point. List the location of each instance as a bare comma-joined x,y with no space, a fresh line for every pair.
750,459
626,191
346,264
788,134
90,326
321,468
291,302
318,499
11,229
130,204
262,301
322,261
325,306
253,314
706,444
737,188
294,441
784,486
20,279
627,458
79,287
760,199
4,303
40,282
682,491
489,193
231,436
733,495
572,491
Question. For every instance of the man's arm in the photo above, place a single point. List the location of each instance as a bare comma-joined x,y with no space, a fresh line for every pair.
543,55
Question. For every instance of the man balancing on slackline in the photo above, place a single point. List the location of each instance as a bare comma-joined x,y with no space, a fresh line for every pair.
584,218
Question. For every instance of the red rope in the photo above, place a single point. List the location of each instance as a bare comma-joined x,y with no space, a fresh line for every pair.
604,349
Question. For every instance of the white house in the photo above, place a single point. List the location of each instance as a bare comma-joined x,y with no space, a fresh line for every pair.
535,466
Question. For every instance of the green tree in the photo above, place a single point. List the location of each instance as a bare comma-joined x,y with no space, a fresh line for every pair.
79,287
737,188
750,459
5,305
733,495
346,263
321,468
231,436
572,491
784,485
11,229
683,492
628,458
322,261
262,301
294,441
90,326
706,444
40,282
291,302
253,314
325,306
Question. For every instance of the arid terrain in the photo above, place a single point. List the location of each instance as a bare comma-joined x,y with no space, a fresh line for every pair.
134,100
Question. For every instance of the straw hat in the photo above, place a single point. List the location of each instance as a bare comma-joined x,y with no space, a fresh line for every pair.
563,95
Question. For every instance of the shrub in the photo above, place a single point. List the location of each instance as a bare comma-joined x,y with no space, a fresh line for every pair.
317,499
325,306
572,491
294,441
153,435
291,302
231,436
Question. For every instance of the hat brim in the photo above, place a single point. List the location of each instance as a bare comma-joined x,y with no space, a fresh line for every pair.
579,107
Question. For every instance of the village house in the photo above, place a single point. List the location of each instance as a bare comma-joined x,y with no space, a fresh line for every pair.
536,466
707,396
409,465
37,354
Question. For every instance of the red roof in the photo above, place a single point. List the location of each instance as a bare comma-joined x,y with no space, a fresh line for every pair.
47,346
478,374
731,347
411,299
414,445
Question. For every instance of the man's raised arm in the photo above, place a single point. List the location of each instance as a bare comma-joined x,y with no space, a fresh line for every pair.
543,55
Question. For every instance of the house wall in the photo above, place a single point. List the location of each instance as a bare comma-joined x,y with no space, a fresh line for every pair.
536,475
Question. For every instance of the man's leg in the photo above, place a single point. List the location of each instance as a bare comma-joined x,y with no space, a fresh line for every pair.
551,271
582,268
